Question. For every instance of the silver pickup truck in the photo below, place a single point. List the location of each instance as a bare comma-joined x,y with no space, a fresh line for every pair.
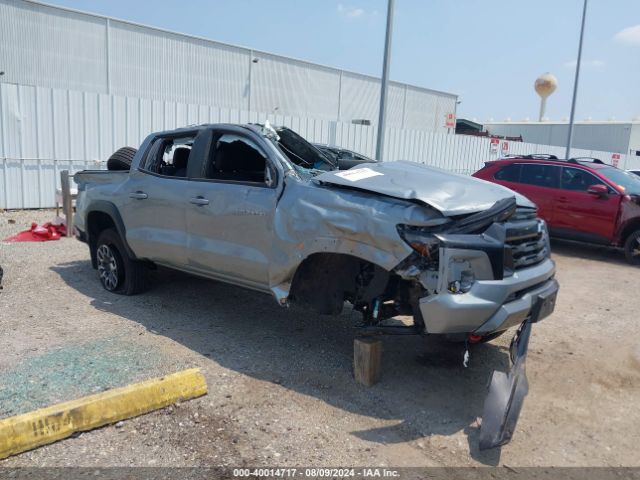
262,208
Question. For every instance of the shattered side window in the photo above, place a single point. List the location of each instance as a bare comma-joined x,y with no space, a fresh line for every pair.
169,156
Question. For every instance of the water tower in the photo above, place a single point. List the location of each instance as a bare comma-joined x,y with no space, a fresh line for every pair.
545,85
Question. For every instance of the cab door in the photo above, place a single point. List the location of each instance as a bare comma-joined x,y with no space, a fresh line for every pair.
156,200
231,208
581,215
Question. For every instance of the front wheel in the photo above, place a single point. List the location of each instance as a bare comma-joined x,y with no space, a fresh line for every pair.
632,248
118,273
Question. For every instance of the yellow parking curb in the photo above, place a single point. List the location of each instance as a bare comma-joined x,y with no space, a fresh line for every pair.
47,425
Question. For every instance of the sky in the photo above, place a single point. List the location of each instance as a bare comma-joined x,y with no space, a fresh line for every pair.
487,51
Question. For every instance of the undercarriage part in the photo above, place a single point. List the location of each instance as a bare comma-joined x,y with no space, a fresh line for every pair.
390,329
324,281
405,295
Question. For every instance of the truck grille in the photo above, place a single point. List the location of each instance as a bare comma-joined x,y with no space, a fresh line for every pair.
526,240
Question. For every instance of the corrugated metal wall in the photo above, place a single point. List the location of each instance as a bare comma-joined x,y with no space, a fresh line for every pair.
53,47
609,136
44,130
47,46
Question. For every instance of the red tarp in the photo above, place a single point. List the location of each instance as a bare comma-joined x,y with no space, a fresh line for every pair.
46,232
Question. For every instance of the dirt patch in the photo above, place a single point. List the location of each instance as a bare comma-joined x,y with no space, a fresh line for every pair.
281,390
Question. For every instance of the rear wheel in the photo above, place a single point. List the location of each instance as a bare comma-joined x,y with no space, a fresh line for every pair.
632,248
118,273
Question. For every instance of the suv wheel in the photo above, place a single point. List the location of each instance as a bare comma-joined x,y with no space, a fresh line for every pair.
632,248
118,273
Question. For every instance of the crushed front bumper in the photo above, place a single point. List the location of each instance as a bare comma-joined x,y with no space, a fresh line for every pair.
507,390
490,305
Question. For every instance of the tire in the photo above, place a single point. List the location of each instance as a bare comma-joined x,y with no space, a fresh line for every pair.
121,159
632,248
117,272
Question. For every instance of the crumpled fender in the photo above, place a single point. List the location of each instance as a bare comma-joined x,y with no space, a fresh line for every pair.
311,219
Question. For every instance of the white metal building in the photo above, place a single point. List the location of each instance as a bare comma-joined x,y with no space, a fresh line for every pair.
52,47
618,137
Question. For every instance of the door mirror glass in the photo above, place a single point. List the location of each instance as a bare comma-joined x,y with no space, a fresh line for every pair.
599,190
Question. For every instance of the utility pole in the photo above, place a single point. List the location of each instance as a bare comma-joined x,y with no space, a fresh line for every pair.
385,81
575,84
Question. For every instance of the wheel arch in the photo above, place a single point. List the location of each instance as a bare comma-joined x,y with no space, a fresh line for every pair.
323,280
100,216
627,229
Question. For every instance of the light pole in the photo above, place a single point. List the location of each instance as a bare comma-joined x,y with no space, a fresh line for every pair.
575,84
385,81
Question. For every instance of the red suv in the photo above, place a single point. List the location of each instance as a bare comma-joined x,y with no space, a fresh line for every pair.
581,199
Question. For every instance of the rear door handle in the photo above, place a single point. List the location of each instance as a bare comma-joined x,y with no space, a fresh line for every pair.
199,201
563,200
139,195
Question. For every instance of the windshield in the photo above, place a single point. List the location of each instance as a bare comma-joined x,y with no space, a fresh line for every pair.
302,153
628,182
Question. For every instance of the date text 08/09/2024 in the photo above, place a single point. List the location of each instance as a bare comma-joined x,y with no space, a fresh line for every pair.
316,472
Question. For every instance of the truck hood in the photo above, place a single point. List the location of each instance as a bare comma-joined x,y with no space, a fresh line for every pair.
450,193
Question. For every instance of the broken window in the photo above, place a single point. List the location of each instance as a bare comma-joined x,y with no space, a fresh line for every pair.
169,157
237,159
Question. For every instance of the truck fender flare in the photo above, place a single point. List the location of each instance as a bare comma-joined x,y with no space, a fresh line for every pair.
111,210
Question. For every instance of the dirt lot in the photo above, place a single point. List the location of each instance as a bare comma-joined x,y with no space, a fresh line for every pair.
280,384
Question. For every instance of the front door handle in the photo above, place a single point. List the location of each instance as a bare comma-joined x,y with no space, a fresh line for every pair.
139,195
200,201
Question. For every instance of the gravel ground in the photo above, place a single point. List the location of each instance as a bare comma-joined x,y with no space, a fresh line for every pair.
280,385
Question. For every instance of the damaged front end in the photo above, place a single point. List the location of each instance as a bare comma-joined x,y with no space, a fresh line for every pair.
462,267
507,390
479,276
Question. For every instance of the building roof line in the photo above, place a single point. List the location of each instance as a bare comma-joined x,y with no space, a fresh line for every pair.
229,45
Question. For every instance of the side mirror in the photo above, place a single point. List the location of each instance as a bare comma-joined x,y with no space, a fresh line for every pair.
599,190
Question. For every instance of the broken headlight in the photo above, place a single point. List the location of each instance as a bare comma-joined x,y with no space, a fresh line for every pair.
422,242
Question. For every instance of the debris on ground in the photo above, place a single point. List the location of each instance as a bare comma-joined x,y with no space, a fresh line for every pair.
44,233
66,337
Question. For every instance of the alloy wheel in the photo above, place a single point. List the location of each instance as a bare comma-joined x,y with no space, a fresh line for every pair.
107,267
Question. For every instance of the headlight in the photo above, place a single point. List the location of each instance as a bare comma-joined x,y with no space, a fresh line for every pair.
544,231
424,243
